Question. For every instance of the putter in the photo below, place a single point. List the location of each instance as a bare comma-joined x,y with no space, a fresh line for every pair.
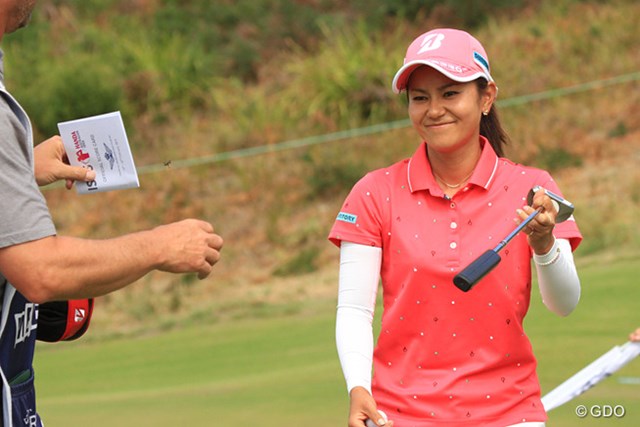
471,275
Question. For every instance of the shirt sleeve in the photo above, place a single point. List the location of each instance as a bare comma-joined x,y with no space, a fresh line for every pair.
24,216
558,279
360,218
358,286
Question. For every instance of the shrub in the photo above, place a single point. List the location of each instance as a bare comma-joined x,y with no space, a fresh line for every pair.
554,159
304,261
619,130
465,13
332,173
82,88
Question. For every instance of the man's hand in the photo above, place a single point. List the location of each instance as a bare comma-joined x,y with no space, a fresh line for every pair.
187,246
52,164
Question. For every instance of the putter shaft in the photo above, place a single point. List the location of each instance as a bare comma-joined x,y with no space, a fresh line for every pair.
518,229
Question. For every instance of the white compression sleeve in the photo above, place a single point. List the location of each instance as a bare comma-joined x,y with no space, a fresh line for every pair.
358,288
558,279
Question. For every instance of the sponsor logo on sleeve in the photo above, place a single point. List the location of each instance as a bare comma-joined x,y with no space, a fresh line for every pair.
346,217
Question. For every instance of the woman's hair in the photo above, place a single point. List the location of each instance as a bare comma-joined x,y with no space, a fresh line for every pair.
490,126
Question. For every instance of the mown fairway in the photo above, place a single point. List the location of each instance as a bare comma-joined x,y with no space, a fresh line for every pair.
283,370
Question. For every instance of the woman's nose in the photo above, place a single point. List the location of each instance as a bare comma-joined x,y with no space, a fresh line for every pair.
435,109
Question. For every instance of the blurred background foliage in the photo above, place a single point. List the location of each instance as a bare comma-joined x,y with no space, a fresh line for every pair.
195,78
140,56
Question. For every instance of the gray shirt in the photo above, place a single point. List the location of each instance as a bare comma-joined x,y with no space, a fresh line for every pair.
24,215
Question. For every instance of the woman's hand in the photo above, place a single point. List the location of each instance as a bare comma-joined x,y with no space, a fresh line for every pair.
363,407
540,230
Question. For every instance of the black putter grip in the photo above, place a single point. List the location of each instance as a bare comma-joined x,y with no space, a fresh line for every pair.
475,271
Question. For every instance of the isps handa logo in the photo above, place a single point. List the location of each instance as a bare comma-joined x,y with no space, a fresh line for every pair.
83,157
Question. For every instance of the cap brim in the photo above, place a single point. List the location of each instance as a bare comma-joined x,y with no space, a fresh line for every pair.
401,78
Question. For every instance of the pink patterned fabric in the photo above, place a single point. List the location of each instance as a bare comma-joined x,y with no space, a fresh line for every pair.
443,355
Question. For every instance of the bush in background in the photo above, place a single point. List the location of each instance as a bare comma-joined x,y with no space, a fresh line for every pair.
179,81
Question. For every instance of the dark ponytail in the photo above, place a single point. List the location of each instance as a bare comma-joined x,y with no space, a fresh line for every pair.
490,126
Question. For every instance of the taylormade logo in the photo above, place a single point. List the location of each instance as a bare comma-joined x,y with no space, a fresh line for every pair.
431,42
79,315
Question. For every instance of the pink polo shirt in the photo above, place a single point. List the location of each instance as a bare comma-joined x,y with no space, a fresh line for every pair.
443,356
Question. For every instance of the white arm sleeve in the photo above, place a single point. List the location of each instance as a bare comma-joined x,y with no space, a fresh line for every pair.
558,279
358,288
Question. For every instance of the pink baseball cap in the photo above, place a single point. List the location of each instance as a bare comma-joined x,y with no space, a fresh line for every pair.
454,53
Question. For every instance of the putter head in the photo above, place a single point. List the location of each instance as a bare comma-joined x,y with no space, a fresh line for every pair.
565,207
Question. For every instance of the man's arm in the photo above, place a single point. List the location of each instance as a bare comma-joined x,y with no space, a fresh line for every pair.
58,267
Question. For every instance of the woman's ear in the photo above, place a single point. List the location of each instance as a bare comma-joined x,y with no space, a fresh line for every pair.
489,96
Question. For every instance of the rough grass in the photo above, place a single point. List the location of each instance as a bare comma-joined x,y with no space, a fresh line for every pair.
281,367
274,207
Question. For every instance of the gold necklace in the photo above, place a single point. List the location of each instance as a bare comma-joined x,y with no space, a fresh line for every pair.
452,185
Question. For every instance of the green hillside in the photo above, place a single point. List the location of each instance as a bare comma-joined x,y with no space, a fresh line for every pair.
259,116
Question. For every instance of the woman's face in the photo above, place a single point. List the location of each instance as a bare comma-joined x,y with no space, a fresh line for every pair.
446,113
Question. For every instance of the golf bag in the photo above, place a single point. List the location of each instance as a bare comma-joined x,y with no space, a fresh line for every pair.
64,320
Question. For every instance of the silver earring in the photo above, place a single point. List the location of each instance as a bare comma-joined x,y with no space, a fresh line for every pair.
485,113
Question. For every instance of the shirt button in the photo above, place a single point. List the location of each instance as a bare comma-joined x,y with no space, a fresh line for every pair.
453,205
453,225
453,245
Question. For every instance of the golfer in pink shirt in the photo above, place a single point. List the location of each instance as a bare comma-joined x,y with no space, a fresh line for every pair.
444,356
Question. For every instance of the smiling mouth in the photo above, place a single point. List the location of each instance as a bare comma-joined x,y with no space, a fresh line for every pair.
438,125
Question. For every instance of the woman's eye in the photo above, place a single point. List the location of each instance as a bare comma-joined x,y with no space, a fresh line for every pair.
450,93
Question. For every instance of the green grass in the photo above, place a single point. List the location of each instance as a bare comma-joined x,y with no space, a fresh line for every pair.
283,370
607,313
